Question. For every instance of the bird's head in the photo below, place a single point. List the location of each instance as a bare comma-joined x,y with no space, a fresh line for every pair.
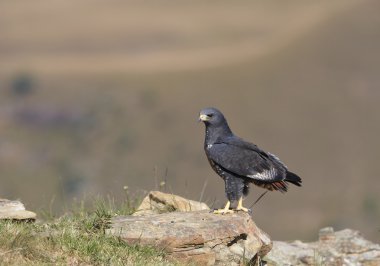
211,116
216,125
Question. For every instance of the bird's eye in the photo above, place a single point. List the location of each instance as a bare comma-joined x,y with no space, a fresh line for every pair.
210,115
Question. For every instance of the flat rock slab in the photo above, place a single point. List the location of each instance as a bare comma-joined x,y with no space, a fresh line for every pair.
14,210
158,202
198,237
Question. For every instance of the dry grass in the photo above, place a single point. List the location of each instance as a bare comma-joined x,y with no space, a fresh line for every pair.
75,239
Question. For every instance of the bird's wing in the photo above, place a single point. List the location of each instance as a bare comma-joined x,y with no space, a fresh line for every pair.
247,160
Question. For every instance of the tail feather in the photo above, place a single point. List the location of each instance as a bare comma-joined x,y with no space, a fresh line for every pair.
293,178
281,186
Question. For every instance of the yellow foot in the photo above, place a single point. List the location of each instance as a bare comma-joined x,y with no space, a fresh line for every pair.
241,208
223,211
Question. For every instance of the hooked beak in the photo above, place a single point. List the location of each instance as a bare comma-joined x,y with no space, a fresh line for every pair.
203,117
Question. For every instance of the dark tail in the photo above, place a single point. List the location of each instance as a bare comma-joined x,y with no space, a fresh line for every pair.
293,178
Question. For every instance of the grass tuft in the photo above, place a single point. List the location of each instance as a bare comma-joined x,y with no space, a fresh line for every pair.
75,238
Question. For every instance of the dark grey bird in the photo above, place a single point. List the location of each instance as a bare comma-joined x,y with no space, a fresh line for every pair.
240,163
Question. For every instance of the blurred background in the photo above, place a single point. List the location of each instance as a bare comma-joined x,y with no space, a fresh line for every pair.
98,95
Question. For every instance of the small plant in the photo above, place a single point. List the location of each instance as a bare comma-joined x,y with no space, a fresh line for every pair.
318,259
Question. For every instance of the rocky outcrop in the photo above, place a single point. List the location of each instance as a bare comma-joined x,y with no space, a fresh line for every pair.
14,210
346,247
158,202
198,237
189,233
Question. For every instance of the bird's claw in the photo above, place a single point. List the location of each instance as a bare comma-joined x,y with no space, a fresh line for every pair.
223,211
243,209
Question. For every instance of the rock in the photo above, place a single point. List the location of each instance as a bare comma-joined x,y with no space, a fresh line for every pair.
14,210
198,237
346,247
158,202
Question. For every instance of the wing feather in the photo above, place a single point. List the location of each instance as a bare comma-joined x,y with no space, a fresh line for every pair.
247,160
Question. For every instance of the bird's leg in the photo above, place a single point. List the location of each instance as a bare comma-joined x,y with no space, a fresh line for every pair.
225,210
240,206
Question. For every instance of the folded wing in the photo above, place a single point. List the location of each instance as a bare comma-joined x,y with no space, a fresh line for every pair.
248,161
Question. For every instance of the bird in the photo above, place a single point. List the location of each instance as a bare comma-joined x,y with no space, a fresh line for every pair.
240,163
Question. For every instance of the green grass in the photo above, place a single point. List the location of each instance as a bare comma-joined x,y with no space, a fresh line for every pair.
75,238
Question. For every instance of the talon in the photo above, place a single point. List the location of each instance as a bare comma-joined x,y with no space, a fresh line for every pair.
243,209
225,210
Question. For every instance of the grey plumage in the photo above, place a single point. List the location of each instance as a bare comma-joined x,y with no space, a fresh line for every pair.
239,162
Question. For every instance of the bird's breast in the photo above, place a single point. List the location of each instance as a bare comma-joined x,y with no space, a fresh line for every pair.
217,169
